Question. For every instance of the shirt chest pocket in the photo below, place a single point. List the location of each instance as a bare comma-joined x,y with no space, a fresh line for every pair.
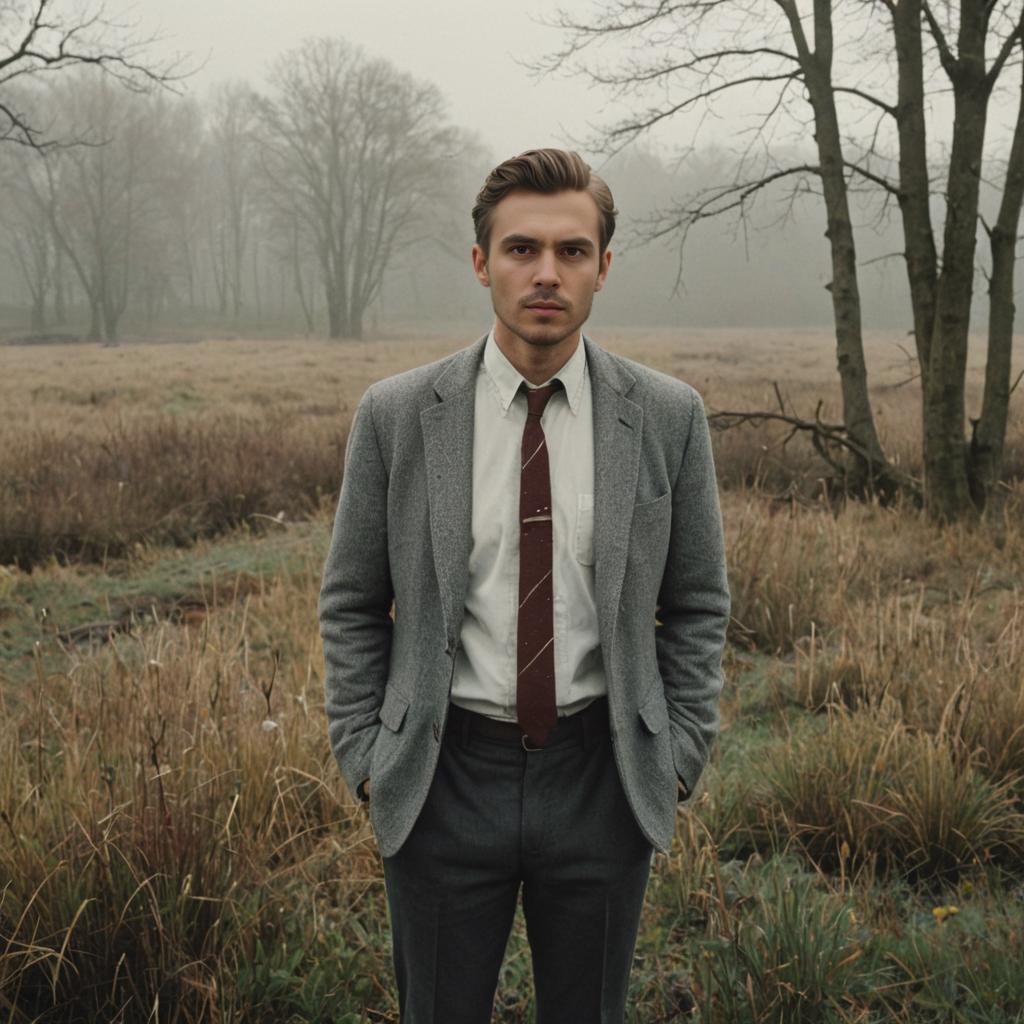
584,533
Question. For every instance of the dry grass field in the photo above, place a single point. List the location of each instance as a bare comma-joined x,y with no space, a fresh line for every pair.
175,841
85,388
104,447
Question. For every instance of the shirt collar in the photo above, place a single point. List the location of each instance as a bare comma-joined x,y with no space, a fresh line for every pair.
507,379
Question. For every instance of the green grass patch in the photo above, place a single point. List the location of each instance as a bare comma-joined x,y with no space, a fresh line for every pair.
56,611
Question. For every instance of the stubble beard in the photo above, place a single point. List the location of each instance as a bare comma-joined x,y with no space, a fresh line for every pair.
543,336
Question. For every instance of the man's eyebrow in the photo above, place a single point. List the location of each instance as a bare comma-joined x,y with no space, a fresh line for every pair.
518,240
579,243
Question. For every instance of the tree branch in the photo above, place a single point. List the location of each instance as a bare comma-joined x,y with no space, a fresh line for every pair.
731,196
826,438
949,61
49,44
878,179
644,77
1004,53
881,104
634,128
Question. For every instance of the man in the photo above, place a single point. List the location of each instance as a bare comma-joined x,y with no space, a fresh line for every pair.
541,518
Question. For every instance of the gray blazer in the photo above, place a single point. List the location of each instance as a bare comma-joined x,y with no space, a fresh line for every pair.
402,535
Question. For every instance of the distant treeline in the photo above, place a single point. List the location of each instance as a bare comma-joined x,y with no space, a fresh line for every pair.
337,201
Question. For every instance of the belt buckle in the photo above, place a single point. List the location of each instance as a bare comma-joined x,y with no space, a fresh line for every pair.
524,739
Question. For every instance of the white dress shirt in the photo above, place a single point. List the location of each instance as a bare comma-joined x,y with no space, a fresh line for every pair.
485,666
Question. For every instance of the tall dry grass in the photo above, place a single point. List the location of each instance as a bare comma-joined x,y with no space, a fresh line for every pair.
955,672
159,481
867,791
176,843
909,638
799,570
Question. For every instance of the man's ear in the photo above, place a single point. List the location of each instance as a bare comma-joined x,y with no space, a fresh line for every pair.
602,271
480,266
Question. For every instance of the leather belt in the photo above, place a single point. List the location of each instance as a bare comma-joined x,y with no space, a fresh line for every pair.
583,726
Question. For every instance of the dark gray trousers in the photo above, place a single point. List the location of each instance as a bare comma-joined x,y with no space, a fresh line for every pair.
554,822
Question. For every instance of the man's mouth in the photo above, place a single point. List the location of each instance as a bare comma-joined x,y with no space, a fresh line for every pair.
552,306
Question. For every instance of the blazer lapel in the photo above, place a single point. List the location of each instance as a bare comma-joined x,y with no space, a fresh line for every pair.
448,446
618,430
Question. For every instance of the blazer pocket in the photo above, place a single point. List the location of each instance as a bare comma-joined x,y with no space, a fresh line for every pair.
654,714
651,511
392,711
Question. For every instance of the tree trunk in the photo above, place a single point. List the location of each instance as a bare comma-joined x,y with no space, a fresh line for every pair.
947,496
190,274
150,297
236,266
307,312
59,286
218,264
38,320
870,471
335,319
257,302
336,294
355,325
985,456
112,303
111,318
914,196
95,330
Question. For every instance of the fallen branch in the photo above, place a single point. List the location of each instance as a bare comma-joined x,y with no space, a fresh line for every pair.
829,441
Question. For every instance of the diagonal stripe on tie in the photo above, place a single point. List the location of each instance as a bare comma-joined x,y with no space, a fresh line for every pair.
536,452
535,588
533,660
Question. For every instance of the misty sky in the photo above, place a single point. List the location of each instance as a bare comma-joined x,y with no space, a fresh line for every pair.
470,50
466,48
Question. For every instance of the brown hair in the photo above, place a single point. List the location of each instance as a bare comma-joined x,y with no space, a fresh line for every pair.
546,171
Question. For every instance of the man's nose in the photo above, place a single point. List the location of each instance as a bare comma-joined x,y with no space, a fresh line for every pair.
546,270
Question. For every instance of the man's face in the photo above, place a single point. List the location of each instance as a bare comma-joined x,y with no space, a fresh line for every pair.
543,265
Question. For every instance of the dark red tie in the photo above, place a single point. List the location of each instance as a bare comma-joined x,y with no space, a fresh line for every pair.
535,635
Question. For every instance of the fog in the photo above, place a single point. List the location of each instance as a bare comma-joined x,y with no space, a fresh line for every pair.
210,227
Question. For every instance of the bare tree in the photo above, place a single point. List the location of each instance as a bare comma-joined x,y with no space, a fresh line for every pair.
38,38
357,149
102,198
827,65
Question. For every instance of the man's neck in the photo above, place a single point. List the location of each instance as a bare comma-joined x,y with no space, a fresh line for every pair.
536,363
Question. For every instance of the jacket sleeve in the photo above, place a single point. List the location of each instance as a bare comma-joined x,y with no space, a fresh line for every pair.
355,602
694,605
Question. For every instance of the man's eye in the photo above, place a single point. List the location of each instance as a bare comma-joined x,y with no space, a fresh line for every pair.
520,250
572,251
